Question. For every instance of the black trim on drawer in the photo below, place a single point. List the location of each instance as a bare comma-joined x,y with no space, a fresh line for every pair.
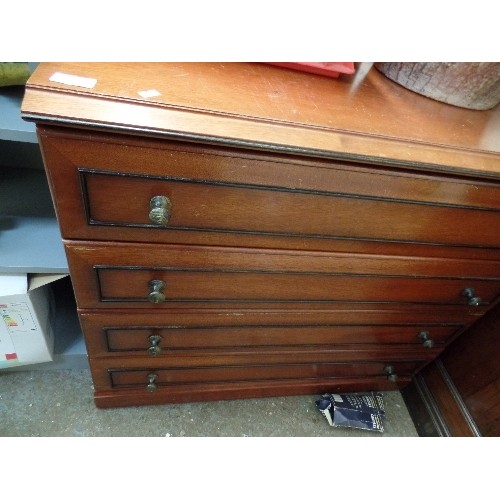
249,186
418,326
462,300
84,171
201,369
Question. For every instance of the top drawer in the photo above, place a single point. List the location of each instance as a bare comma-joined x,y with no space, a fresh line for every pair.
122,189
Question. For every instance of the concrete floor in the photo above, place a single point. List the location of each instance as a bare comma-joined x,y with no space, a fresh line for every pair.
60,403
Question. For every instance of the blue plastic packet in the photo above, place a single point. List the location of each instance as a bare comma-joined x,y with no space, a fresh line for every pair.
360,411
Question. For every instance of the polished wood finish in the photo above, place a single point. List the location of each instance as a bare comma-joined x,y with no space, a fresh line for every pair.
464,383
264,107
452,415
185,393
436,406
110,333
219,277
315,227
136,339
205,185
473,365
283,371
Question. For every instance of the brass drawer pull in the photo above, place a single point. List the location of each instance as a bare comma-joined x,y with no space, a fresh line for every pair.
152,377
154,341
155,295
159,212
389,371
472,300
426,340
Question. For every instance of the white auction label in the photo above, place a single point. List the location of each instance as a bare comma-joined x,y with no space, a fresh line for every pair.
149,93
73,80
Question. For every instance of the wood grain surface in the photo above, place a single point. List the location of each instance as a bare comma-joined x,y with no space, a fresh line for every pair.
267,107
315,226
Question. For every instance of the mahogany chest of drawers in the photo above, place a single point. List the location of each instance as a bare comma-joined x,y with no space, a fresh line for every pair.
242,230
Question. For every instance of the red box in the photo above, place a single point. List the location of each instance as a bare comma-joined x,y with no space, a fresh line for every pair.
332,69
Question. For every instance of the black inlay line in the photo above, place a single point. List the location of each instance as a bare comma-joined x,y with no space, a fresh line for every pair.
84,193
132,330
173,269
297,326
223,348
260,381
291,191
284,364
93,222
279,301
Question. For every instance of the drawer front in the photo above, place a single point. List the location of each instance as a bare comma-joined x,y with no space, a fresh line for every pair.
174,276
153,341
187,286
103,190
107,396
153,379
156,335
190,205
125,383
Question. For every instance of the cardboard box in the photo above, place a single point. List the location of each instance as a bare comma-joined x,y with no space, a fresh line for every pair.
27,311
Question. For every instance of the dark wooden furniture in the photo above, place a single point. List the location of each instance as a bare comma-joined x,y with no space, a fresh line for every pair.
254,231
458,394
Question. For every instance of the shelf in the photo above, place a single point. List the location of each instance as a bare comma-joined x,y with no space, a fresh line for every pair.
30,239
12,126
31,245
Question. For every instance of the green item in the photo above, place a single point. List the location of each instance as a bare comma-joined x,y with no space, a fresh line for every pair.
14,73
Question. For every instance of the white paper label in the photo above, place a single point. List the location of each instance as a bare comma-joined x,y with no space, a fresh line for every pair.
75,81
337,398
149,93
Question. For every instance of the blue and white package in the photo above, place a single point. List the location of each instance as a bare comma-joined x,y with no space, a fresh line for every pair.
360,411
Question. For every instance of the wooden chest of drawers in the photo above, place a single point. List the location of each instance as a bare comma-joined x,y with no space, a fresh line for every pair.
243,243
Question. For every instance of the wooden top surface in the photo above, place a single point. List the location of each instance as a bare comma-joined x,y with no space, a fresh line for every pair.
267,107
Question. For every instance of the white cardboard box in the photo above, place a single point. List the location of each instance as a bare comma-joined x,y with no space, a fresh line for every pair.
26,319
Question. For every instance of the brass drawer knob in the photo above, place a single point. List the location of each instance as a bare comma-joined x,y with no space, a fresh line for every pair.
155,291
159,212
154,347
426,340
389,371
472,299
152,378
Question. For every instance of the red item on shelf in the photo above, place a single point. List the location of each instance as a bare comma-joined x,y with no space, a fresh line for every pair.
332,69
